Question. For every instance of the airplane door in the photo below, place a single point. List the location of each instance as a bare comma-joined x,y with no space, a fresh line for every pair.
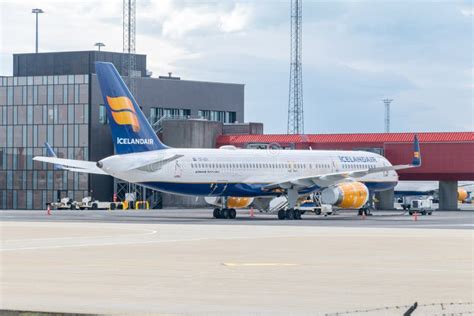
385,173
178,170
335,164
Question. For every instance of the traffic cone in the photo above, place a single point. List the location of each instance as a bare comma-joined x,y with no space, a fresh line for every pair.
49,210
363,214
251,212
415,216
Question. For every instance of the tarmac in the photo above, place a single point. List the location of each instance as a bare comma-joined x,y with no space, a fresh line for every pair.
183,262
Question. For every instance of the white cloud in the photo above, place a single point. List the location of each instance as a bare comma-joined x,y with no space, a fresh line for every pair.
237,19
354,54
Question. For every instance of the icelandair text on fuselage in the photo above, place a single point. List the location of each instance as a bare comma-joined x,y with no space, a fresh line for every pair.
357,159
134,141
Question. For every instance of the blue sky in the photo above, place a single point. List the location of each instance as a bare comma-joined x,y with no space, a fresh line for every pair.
355,53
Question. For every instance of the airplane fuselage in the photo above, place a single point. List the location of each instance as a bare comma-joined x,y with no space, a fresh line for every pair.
243,172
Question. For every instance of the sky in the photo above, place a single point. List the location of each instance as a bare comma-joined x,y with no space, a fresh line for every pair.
355,53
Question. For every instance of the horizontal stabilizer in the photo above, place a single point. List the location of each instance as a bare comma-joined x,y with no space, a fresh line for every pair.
72,165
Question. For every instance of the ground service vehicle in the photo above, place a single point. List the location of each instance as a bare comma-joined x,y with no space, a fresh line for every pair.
63,204
423,207
88,203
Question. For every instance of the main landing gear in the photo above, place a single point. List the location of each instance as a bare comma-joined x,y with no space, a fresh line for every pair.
289,214
228,213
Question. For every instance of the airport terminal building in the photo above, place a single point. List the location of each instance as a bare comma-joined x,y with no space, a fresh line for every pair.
55,98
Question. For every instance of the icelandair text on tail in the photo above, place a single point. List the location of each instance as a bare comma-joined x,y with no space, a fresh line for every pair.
134,141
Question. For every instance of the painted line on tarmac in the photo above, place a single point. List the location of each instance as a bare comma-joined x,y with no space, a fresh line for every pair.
261,264
150,232
104,244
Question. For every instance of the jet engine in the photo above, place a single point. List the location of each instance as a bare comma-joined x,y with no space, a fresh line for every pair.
346,195
232,201
462,194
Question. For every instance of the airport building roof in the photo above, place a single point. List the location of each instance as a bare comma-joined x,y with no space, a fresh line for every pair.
348,138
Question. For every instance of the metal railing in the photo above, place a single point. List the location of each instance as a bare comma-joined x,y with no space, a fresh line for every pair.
434,309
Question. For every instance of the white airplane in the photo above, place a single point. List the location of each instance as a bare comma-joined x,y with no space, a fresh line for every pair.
235,176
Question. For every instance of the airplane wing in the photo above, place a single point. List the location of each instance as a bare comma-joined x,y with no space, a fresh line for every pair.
72,165
329,179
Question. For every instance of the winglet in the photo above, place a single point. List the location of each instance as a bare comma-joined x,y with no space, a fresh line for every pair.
50,152
416,153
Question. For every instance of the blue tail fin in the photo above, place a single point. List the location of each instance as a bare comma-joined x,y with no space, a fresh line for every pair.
131,131
416,152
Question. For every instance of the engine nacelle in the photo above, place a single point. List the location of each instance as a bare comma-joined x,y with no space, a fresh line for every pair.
346,195
232,201
462,195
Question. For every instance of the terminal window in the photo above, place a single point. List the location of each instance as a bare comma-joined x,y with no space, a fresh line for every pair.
220,116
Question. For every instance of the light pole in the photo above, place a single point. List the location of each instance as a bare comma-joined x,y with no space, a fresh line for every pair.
37,11
99,45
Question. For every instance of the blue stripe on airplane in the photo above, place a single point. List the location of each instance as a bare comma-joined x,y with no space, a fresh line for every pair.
238,189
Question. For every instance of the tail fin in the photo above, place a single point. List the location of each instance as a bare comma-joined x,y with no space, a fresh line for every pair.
416,152
131,131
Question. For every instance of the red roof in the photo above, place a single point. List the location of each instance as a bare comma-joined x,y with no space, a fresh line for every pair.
348,138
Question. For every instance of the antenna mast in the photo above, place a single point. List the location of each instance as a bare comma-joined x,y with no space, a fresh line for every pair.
128,60
295,98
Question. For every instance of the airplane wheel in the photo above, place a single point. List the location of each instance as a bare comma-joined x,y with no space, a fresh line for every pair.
232,213
290,214
225,213
297,214
281,214
216,213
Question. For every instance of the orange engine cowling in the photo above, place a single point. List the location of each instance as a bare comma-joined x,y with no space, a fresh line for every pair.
346,195
232,201
238,202
462,195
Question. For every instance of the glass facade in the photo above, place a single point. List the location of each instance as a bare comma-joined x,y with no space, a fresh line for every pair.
220,116
157,113
35,110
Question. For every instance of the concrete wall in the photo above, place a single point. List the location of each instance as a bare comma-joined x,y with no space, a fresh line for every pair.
243,128
191,133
